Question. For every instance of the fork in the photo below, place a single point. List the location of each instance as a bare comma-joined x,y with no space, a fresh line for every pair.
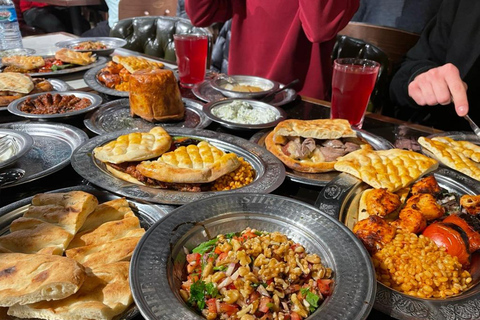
474,127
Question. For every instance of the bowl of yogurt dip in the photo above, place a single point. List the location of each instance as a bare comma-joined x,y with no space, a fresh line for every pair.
244,114
16,143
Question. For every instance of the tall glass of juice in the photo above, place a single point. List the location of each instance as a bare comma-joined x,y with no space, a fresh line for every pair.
352,84
191,51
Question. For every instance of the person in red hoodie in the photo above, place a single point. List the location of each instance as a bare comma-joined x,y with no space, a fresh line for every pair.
280,39
48,18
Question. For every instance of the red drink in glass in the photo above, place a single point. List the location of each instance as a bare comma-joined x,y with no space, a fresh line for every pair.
191,51
352,84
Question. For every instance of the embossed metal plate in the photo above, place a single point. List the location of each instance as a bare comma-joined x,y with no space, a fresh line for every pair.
270,172
115,116
53,145
321,179
148,214
159,259
205,92
111,44
340,199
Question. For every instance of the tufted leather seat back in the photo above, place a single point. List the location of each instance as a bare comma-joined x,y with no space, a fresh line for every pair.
347,47
153,35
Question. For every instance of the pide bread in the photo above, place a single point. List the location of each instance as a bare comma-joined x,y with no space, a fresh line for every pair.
23,62
16,82
29,278
101,249
104,294
133,64
50,223
200,163
135,146
390,169
313,145
462,156
75,57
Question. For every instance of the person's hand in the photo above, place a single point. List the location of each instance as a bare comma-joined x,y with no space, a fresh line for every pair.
441,85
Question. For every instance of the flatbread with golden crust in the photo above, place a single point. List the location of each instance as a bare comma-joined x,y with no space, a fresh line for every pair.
133,64
104,294
23,62
200,163
391,169
75,57
29,278
317,129
135,146
454,155
16,82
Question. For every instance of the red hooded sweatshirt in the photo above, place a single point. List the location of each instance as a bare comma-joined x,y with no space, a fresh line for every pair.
280,39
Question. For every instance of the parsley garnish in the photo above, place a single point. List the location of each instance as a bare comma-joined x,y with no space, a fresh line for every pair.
312,299
220,268
205,246
197,294
258,233
230,235
211,290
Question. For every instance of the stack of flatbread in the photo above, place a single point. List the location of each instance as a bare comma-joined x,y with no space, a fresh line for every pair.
462,156
91,281
390,169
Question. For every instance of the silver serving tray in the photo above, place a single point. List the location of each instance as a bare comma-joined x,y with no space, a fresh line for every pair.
455,135
53,145
90,78
220,81
340,198
115,116
159,259
148,214
112,43
205,92
99,61
57,84
95,99
270,172
321,179
21,142
280,114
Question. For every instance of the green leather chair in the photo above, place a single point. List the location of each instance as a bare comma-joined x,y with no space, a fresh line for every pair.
153,35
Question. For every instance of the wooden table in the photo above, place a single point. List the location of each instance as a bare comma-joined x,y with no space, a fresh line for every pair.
74,10
395,131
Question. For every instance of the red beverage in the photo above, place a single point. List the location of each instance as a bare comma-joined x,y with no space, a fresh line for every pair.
352,84
191,51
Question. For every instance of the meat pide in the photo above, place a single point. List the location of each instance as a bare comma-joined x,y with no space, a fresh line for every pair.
190,165
313,145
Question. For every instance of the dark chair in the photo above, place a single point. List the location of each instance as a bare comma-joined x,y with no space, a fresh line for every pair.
347,47
154,35
25,29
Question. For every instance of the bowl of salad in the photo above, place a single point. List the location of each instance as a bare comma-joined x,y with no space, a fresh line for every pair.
251,256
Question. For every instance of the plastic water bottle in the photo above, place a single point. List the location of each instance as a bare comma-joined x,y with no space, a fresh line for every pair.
10,36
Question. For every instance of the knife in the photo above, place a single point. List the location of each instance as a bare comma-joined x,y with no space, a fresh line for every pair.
474,127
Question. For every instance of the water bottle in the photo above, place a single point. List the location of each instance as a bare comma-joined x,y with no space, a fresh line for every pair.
10,36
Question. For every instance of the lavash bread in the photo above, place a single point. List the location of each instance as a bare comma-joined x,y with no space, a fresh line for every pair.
135,146
200,163
155,95
29,278
132,63
75,57
16,82
50,223
391,169
104,294
320,129
462,156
